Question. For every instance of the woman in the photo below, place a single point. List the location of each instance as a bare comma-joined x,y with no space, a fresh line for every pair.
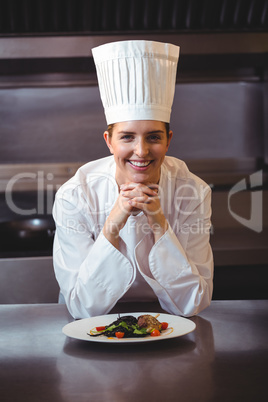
134,225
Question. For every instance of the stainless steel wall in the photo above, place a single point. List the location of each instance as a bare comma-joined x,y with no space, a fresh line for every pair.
65,124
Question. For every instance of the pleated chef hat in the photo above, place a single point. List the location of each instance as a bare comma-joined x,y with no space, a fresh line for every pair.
136,79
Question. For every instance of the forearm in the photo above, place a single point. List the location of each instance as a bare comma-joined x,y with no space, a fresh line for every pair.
111,232
116,221
159,229
91,284
183,287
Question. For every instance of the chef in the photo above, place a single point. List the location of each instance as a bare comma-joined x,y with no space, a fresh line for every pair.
134,226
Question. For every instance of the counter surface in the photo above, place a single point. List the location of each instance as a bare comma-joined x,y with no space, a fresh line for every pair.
224,359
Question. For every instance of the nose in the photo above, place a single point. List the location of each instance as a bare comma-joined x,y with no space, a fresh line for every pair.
141,148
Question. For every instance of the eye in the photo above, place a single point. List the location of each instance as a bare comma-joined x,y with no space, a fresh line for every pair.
126,137
154,137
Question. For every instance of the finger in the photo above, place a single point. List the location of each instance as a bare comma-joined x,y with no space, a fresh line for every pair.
154,186
137,205
145,187
142,199
138,192
146,202
128,186
152,192
142,206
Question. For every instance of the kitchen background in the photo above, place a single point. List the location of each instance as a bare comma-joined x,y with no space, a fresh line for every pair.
52,120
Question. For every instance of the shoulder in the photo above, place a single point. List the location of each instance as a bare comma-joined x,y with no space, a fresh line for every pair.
100,167
176,170
93,174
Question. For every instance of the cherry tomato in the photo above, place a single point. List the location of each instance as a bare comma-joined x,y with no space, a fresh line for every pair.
119,334
100,328
164,325
155,332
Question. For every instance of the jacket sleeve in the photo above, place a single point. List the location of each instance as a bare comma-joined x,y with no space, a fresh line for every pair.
92,274
181,263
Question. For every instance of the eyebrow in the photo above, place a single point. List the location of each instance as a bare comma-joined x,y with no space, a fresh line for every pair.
149,132
156,132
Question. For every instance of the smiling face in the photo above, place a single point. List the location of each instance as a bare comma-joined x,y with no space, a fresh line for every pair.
139,148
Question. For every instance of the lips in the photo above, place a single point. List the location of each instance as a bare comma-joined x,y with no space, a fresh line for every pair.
140,164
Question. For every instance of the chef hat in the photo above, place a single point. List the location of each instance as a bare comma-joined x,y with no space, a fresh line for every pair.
136,79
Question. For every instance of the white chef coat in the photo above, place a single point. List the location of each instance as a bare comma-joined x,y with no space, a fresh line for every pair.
93,275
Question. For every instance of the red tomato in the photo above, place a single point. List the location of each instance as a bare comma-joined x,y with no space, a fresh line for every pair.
119,334
100,328
155,332
164,325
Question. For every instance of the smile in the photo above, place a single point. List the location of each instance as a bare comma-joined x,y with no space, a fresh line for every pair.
140,164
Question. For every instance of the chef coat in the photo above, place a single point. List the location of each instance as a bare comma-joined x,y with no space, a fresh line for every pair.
93,275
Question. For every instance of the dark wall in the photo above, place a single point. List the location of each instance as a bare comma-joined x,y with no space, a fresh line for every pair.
65,124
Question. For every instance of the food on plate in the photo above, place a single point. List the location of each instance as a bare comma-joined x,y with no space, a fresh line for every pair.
155,332
164,325
131,327
149,322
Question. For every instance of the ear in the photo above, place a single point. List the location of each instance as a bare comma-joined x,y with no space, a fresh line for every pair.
108,141
169,139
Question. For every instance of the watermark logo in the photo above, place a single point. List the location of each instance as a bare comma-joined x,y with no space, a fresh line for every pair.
181,201
255,222
44,191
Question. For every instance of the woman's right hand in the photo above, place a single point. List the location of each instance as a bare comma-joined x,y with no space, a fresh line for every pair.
117,219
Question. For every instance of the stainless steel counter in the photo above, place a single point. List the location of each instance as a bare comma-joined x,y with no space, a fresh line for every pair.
224,359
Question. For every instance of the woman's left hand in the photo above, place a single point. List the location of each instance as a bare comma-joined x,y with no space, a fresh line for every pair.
146,198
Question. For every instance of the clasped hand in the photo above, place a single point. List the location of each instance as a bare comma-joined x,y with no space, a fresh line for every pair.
136,197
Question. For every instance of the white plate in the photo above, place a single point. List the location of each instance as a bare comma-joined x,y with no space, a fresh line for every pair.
177,326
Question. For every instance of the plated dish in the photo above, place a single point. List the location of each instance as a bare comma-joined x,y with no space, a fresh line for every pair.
80,329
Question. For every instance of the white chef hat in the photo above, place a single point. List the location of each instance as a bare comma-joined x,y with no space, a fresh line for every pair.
136,79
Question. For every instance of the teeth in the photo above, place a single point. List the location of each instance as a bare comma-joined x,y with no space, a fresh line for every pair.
140,164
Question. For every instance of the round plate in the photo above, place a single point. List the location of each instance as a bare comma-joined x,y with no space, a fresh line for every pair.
177,326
